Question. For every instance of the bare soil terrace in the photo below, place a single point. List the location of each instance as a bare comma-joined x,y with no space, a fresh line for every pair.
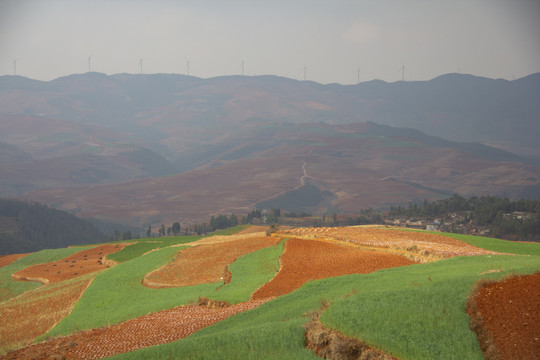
205,262
424,244
78,264
154,329
305,260
509,312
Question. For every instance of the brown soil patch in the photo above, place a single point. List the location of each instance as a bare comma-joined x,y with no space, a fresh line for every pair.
422,243
305,260
506,317
206,263
8,259
154,329
34,312
81,263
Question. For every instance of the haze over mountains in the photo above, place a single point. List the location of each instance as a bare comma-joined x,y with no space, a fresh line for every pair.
143,149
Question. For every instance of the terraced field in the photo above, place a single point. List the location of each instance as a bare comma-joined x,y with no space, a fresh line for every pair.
248,296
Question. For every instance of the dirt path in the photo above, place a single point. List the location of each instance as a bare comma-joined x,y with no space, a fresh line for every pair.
305,260
154,329
510,314
80,263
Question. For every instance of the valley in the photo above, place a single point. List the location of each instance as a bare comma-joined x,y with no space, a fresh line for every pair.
142,150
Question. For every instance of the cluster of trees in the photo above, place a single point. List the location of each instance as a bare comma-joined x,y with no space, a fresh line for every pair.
270,216
39,227
486,211
174,229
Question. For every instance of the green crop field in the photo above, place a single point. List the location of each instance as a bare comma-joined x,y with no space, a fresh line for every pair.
118,294
414,312
10,288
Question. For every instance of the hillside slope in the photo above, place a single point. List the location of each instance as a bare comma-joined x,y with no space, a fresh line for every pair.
317,168
29,227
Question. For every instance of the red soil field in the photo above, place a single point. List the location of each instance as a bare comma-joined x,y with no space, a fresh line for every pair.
305,260
81,263
510,312
154,329
205,263
34,312
420,242
8,259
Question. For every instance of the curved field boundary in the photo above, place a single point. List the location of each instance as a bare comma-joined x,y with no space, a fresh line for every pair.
423,243
81,263
206,262
8,259
10,287
305,260
35,312
154,329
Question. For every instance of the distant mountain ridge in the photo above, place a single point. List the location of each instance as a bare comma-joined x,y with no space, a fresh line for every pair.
145,147
456,107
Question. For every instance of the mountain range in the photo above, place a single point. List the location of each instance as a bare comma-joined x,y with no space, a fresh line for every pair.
146,149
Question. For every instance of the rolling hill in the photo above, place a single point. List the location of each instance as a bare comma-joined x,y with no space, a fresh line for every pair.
146,149
346,292
29,227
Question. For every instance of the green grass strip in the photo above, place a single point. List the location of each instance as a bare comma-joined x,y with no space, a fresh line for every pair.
499,245
418,312
249,273
400,310
141,247
118,294
10,287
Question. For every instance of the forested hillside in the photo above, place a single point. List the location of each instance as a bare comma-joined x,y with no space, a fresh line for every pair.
28,227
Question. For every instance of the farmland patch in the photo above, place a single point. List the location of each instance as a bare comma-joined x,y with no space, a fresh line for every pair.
80,263
506,317
33,313
305,260
205,263
426,245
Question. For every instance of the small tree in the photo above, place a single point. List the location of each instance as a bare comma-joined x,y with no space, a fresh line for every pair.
149,231
176,228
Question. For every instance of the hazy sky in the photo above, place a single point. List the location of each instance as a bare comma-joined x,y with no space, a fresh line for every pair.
331,39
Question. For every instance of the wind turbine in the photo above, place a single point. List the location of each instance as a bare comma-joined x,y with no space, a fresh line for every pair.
402,69
89,59
14,65
187,66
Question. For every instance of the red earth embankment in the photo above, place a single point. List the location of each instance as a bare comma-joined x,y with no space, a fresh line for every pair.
506,315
